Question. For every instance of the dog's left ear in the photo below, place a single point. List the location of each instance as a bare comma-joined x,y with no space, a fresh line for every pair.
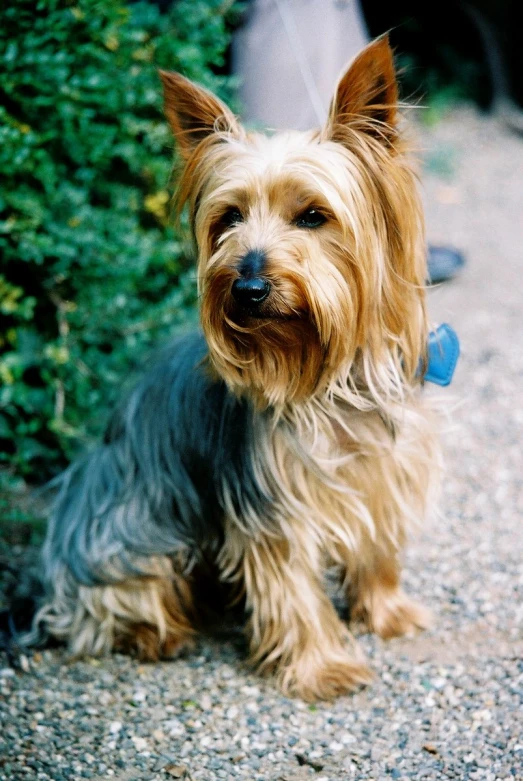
193,112
367,91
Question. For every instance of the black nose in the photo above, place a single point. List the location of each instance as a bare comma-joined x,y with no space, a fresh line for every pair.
250,291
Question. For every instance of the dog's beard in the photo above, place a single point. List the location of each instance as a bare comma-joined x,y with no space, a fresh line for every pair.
274,351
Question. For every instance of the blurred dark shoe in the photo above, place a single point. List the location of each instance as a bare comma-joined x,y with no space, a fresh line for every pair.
443,263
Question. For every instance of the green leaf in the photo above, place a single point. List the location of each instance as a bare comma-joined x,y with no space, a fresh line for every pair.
92,276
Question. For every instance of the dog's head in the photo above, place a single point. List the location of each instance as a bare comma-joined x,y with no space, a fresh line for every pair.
310,245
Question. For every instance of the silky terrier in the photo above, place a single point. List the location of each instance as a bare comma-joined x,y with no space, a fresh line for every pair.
291,434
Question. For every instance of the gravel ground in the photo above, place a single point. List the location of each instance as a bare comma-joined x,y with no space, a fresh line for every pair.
445,705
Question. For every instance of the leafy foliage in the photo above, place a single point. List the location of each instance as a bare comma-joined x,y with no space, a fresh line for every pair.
91,273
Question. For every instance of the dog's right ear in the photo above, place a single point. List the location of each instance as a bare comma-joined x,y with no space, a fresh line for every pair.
193,112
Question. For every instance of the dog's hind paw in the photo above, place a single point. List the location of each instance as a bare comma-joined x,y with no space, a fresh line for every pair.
144,643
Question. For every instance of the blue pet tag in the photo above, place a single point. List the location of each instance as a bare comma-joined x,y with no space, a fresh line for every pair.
442,355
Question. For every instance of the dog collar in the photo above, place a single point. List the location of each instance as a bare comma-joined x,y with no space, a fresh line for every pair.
442,355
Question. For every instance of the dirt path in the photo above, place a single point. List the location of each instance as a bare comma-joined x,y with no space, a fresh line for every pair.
445,705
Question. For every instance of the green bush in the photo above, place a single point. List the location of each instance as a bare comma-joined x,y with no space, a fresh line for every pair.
91,274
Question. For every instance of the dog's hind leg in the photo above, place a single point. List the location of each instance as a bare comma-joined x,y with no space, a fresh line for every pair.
147,615
152,616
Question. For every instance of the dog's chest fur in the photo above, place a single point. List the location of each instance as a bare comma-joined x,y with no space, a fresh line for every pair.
345,475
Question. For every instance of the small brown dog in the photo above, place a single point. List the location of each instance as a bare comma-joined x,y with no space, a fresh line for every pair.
294,436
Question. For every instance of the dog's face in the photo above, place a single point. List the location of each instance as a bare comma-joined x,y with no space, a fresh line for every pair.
310,245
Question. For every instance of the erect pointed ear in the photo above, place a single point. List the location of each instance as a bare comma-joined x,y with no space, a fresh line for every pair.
368,91
193,112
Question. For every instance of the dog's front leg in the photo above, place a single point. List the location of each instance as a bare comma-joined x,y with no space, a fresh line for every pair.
294,630
378,601
394,484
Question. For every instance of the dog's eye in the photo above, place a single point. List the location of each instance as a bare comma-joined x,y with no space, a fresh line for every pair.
311,218
231,217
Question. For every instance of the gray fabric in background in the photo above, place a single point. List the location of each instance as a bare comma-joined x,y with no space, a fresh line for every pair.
325,34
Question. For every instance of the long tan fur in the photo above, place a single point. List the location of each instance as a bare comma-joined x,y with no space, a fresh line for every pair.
346,447
352,459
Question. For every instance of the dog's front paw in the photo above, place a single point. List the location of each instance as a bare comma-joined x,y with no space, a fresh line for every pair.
316,677
392,614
